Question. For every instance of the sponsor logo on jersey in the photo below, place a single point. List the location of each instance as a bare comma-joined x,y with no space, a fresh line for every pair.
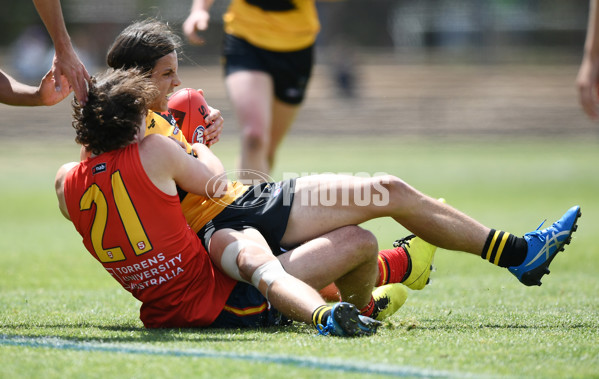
100,167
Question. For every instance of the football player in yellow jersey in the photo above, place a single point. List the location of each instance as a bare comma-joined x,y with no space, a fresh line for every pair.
298,214
152,46
268,51
350,252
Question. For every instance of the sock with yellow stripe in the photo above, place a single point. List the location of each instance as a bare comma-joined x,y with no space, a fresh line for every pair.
504,249
393,265
321,315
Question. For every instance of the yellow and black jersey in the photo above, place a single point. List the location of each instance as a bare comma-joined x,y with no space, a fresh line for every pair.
276,25
197,209
165,124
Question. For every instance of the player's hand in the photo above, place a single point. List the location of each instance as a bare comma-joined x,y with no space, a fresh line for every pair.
50,92
215,124
67,63
587,82
197,21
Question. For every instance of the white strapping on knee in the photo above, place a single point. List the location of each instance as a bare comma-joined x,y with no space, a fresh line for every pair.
228,260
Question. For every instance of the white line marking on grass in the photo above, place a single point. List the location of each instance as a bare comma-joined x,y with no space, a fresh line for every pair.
306,362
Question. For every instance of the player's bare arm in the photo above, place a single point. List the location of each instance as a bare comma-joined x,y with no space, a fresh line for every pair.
168,165
66,62
13,92
59,187
198,20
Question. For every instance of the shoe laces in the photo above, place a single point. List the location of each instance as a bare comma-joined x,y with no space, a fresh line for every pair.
323,330
536,231
403,241
539,227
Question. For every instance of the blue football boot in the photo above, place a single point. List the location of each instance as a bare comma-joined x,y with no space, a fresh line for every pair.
345,321
543,246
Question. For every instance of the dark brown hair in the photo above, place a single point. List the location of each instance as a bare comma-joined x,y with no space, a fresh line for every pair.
111,117
141,44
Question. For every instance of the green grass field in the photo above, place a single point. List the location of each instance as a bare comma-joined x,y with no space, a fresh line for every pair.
62,316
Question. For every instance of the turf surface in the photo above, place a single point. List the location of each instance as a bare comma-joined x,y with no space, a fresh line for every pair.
62,316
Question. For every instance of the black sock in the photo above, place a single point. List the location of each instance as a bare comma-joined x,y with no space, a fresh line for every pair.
504,249
321,315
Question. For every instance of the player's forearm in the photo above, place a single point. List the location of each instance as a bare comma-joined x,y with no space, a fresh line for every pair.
591,46
213,172
13,92
213,165
51,14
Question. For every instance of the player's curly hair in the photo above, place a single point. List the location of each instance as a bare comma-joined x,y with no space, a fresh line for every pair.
117,102
141,44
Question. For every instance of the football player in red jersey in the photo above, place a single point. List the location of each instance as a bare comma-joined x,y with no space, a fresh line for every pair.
123,200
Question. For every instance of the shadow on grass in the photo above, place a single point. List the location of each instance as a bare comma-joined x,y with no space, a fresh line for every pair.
133,333
458,326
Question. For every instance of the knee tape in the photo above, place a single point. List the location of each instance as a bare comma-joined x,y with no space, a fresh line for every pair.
228,260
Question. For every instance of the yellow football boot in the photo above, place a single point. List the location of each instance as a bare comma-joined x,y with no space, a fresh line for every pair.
388,299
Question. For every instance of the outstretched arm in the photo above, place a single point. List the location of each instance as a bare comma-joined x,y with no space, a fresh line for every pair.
13,92
587,80
66,62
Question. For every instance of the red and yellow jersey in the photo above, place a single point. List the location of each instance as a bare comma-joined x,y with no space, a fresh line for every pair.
276,25
198,209
138,233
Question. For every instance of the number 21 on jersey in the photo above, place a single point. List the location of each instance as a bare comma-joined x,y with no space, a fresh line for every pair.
128,215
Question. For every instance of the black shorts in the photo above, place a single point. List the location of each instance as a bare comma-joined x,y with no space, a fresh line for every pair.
247,308
290,70
264,207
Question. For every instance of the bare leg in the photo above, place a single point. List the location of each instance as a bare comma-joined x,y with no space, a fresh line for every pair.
289,295
283,115
251,93
346,256
326,202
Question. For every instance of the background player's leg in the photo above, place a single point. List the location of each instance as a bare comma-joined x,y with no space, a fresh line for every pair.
283,116
251,93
